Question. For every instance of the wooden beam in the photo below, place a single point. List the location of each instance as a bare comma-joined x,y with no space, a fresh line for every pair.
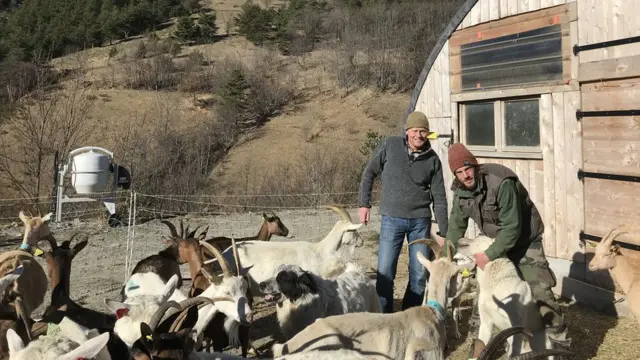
559,14
513,92
610,69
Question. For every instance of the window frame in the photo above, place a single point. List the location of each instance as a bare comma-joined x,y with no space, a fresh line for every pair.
558,15
500,149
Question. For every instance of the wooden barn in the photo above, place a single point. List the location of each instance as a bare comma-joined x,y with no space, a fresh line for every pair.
551,89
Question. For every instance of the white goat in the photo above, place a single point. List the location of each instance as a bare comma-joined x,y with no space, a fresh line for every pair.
386,336
505,300
608,257
66,341
301,296
137,309
260,258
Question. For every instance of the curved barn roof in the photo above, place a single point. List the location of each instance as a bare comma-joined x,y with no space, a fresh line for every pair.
451,27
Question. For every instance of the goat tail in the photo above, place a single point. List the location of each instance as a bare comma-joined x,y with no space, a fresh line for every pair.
499,338
22,314
536,355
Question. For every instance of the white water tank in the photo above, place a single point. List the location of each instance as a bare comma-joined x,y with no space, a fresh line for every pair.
90,172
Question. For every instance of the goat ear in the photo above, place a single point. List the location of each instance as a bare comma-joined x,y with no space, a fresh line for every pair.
114,306
47,217
615,249
424,261
14,342
79,246
10,278
89,349
170,286
145,333
353,227
25,219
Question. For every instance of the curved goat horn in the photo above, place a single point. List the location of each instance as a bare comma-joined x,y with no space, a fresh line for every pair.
224,265
52,241
236,257
188,303
172,227
499,339
22,314
181,229
614,233
344,215
544,354
450,249
431,243
157,316
192,234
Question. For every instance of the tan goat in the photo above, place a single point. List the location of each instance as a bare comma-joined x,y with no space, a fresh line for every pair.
608,257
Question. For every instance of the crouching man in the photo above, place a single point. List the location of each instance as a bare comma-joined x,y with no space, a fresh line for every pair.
496,200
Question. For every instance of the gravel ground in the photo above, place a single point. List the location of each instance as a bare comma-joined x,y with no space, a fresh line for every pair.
98,273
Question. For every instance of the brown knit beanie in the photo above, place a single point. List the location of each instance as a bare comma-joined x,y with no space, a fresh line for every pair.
417,120
460,156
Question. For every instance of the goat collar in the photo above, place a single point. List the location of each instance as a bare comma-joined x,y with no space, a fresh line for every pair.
26,247
437,307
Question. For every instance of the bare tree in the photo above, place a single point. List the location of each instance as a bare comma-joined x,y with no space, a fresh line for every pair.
44,122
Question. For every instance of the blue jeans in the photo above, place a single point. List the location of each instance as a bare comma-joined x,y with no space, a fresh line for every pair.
392,234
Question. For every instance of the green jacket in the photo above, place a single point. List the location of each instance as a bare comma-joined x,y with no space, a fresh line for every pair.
501,206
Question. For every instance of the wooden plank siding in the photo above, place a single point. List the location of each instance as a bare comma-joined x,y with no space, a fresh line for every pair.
611,145
604,21
490,10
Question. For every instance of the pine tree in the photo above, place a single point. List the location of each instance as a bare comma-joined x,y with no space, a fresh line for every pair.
208,27
186,29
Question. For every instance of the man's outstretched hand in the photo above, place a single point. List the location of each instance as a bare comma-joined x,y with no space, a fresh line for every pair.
364,213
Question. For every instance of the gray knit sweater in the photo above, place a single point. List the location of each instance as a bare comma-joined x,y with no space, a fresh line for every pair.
409,184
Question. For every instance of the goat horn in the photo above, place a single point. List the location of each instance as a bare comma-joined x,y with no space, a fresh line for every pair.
450,250
157,316
193,233
22,314
499,339
38,329
544,354
614,233
188,303
181,229
236,257
172,227
224,265
431,243
344,215
52,241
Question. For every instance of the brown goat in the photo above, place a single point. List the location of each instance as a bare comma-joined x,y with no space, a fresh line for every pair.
59,259
271,225
35,228
166,263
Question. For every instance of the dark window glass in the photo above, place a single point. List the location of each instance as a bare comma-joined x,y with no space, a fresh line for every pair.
480,128
522,122
526,57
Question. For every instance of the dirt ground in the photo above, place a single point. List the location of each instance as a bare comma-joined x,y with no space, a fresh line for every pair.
98,272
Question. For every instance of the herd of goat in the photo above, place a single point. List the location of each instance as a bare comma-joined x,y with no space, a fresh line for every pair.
326,305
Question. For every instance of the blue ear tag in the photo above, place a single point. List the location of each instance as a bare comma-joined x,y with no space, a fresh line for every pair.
132,285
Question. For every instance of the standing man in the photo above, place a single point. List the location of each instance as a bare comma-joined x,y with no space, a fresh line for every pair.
493,196
411,181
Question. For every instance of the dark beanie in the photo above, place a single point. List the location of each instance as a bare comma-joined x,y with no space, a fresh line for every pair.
460,156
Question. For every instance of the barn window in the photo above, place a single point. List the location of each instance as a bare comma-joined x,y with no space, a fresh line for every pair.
501,126
532,49
527,57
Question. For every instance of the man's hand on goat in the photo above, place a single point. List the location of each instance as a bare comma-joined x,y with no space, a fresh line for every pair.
440,240
481,259
364,213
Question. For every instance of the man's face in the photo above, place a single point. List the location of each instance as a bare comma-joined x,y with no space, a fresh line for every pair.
417,137
466,175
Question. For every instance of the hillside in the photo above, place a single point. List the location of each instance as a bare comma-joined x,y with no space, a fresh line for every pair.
287,112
